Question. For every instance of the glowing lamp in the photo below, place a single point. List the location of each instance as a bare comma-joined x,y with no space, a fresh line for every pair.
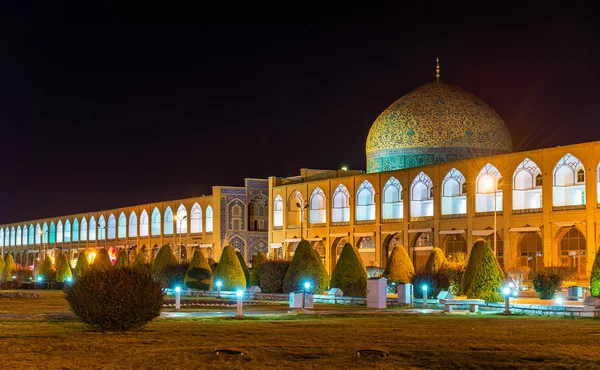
506,291
219,283
177,289
306,285
344,168
515,293
239,293
39,278
14,277
69,279
559,301
511,285
424,288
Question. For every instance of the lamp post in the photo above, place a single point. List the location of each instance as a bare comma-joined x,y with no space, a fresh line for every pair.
175,218
302,208
219,288
177,298
306,287
424,304
239,295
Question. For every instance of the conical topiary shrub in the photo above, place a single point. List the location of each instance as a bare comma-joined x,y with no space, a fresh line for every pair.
435,261
488,279
474,258
259,260
82,265
102,261
199,275
1,266
140,260
63,270
122,260
164,260
9,268
399,268
229,271
350,273
46,271
244,267
306,266
595,276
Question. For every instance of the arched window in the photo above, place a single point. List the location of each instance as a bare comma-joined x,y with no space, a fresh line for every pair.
1,237
101,228
67,231
257,217
84,230
181,220
531,251
18,241
92,229
168,222
488,197
31,234
573,252
196,221
25,240
454,198
45,233
112,227
122,230
392,203
365,202
59,232
144,223
75,230
340,205
12,236
294,208
38,235
155,227
7,237
209,219
421,202
52,232
318,209
527,186
567,190
133,225
278,211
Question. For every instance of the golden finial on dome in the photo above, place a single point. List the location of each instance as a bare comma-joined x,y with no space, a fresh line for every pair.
437,69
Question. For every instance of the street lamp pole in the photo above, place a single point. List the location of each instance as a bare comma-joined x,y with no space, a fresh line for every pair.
302,208
179,232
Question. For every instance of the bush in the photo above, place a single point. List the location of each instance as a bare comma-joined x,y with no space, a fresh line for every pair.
271,275
350,274
547,282
373,271
399,268
474,259
258,260
435,281
122,259
63,270
199,275
102,261
595,277
9,269
229,271
306,266
488,279
47,271
435,261
1,266
164,258
174,275
213,264
244,267
82,265
116,299
455,272
140,260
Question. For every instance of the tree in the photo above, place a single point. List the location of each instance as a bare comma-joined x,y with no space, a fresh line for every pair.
229,271
271,275
199,275
47,271
399,268
102,261
518,274
164,258
63,270
350,274
306,266
244,266
436,260
122,259
488,278
259,260
81,266
9,268
595,276
474,259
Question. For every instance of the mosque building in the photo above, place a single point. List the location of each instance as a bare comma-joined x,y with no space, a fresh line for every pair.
440,172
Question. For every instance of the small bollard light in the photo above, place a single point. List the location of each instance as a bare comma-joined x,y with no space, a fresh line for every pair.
239,295
219,283
424,296
177,298
39,279
506,291
69,279
559,301
306,287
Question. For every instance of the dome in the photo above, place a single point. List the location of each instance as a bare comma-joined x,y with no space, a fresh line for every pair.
434,123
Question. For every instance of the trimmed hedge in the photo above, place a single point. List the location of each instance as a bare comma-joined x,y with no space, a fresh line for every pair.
488,279
47,271
9,269
102,261
1,265
271,275
140,260
306,266
474,259
82,265
163,260
244,267
399,268
436,260
229,271
63,270
595,276
258,260
122,260
116,299
199,275
350,274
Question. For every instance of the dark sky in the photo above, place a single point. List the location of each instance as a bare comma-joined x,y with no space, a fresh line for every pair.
106,106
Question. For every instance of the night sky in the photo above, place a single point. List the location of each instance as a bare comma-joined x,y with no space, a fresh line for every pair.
105,106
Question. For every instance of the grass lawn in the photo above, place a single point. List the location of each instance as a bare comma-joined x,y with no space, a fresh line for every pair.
303,341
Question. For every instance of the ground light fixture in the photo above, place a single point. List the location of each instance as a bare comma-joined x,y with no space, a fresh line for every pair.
239,293
39,279
558,301
69,279
424,296
508,291
306,287
219,283
177,298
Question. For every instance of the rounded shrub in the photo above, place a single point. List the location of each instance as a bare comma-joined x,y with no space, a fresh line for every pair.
399,268
306,266
474,258
9,269
435,282
436,260
488,279
122,259
102,261
63,270
350,274
46,270
547,282
595,277
244,266
82,265
140,260
258,260
271,275
164,258
229,271
116,299
199,275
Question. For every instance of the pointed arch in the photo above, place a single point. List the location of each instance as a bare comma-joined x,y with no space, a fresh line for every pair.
155,226
257,213
168,221
2,238
454,199
18,238
278,211
365,202
31,238
182,220
392,202
527,186
132,225
92,229
209,219
59,232
340,204
45,233
488,197
25,240
38,234
122,226
111,227
7,237
318,210
294,212
84,229
144,224
75,230
101,228
568,182
196,219
421,201
67,231
52,235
